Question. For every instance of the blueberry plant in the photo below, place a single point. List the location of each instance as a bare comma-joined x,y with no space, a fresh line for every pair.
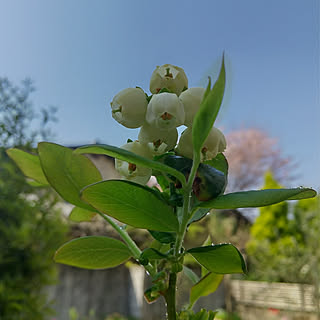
191,175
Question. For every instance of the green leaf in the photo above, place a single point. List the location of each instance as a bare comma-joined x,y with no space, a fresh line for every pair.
163,237
191,275
67,172
131,203
258,198
93,253
79,214
130,157
152,254
198,215
205,286
220,163
221,258
209,108
29,164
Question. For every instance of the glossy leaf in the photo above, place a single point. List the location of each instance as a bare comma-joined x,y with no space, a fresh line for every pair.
30,165
221,258
152,254
205,286
209,108
93,253
199,214
163,237
130,157
220,163
67,172
79,214
131,203
258,198
193,277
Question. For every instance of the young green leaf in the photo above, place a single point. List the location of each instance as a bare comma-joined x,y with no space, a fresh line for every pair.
29,164
130,157
257,198
152,254
191,275
131,203
220,163
205,286
221,258
208,111
79,214
67,172
163,237
93,253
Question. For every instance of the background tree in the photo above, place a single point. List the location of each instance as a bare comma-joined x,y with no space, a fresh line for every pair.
284,240
251,152
30,228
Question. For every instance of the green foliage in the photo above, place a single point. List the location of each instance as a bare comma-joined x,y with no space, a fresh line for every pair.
209,108
67,172
131,203
30,228
258,198
208,284
93,253
284,241
189,190
130,157
221,258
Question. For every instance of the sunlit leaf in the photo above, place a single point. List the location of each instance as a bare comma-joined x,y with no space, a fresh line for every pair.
30,165
257,198
131,203
93,253
209,108
67,172
205,286
79,214
221,258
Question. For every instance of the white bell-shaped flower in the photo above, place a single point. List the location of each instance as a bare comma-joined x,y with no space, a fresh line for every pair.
165,111
168,76
158,141
214,144
129,107
130,171
191,100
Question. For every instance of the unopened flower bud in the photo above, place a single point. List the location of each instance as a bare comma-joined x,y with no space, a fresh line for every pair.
214,144
129,107
158,141
130,171
191,100
170,77
165,111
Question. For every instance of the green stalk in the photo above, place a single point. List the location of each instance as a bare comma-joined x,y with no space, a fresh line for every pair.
170,297
136,252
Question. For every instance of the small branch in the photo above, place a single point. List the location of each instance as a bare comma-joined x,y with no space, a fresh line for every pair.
136,252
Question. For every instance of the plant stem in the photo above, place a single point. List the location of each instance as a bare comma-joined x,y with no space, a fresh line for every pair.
136,252
170,297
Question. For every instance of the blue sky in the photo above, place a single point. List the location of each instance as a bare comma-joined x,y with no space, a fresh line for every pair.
81,53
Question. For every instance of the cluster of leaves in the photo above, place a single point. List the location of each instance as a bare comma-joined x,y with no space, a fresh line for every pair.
284,241
189,191
30,229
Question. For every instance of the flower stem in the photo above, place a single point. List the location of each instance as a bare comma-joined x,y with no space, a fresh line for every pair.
136,252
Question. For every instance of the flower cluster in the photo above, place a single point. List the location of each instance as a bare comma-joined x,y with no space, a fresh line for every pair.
171,105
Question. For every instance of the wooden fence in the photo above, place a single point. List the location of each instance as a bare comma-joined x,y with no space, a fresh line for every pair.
283,296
